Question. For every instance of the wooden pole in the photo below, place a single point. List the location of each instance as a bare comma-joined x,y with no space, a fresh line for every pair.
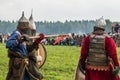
47,36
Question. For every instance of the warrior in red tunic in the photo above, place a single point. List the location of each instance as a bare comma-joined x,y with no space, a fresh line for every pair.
98,55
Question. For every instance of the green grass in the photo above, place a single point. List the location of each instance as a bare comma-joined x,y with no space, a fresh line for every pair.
118,51
60,63
3,62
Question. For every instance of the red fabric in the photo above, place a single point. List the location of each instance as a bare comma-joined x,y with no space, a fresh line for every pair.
38,40
100,75
59,39
111,51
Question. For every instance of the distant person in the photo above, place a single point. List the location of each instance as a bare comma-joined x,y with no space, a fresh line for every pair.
99,60
21,63
0,38
116,28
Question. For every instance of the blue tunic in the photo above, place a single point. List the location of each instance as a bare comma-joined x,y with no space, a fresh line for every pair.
13,44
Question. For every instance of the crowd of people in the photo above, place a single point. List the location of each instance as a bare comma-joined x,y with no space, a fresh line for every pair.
69,40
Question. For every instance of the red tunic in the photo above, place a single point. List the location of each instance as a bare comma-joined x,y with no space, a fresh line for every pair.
110,48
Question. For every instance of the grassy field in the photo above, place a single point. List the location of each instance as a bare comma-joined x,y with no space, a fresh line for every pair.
60,64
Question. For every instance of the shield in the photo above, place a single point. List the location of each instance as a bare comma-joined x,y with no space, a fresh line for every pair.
41,54
79,74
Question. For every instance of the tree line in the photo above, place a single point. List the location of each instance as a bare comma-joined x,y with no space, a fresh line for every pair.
49,27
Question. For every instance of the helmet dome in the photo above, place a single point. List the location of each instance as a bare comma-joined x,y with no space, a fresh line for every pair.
100,23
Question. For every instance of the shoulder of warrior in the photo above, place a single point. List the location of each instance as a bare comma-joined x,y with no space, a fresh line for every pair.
91,35
106,35
17,32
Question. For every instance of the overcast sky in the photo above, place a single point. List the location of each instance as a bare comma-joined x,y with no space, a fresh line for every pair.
60,10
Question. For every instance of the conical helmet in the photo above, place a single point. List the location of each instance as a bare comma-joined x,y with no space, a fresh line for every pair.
101,23
23,22
23,25
32,24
